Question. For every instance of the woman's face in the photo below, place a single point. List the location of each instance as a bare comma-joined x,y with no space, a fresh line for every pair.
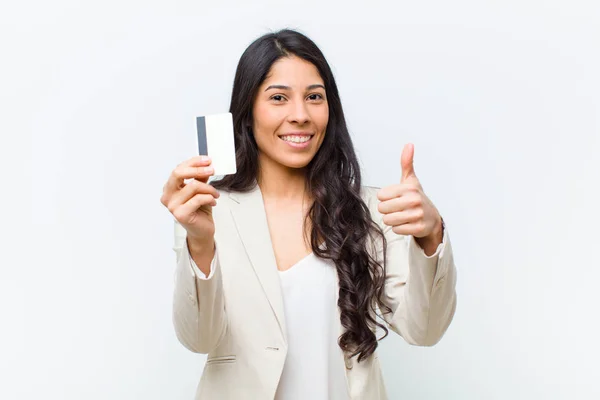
290,113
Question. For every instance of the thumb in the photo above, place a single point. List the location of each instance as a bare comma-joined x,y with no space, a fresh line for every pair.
406,162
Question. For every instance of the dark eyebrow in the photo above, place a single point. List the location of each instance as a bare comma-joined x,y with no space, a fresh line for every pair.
284,87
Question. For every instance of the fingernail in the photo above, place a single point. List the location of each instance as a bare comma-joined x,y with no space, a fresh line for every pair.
204,158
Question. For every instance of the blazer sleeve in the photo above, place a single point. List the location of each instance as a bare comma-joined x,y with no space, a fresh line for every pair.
198,303
419,290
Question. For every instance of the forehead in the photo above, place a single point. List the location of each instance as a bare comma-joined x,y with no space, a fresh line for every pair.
293,71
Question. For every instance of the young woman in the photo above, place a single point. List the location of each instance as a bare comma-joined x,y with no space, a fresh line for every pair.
289,283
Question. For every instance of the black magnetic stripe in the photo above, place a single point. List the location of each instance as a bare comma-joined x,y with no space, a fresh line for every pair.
202,141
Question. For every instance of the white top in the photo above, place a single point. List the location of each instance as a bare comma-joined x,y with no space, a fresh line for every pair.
314,367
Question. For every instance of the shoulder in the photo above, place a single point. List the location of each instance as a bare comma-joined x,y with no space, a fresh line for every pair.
225,197
369,193
224,194
369,196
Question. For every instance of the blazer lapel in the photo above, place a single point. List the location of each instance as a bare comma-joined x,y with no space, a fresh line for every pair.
249,214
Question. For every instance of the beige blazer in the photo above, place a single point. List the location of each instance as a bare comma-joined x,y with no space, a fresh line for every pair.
236,316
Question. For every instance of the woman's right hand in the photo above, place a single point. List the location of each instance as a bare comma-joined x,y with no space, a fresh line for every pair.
191,202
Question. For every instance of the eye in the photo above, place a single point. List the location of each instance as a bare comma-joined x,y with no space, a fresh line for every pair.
315,96
277,98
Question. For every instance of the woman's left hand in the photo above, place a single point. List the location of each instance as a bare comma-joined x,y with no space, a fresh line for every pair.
407,209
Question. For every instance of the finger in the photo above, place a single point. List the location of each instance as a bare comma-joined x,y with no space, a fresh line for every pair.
191,189
397,190
406,162
196,161
405,202
184,212
403,217
183,172
413,229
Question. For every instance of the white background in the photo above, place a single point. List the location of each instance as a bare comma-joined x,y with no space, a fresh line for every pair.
502,101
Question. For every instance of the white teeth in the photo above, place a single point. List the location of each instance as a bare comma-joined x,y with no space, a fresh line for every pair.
296,139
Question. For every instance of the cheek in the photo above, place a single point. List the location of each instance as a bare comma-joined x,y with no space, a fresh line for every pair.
322,118
266,118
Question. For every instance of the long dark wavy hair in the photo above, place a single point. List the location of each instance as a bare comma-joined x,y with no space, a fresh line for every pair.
333,179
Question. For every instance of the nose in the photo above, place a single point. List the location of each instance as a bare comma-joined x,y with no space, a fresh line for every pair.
298,113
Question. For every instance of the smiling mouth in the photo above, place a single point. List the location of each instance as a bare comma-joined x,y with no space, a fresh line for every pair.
294,138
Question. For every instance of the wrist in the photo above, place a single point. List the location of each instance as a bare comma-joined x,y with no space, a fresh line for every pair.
438,231
202,252
200,244
430,242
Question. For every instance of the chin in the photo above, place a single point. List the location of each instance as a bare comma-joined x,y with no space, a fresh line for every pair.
296,162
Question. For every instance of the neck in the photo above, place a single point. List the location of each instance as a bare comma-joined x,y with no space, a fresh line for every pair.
279,182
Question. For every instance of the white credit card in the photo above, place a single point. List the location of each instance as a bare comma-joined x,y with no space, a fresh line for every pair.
215,139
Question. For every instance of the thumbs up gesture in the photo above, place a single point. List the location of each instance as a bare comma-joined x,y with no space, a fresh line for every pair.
407,209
